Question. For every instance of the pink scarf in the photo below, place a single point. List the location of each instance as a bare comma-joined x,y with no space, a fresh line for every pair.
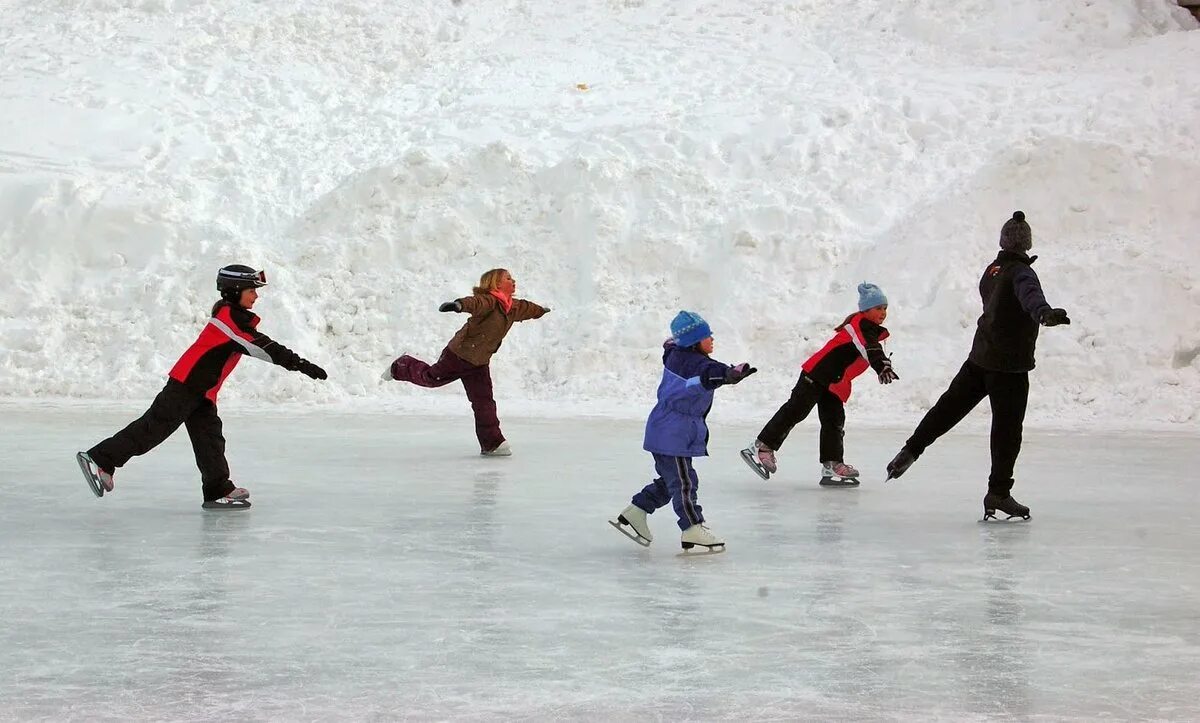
504,299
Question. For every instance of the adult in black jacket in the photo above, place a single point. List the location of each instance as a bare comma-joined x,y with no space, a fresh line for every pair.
997,367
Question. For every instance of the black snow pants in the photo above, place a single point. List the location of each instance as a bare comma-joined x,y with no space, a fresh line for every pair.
176,404
830,410
1008,393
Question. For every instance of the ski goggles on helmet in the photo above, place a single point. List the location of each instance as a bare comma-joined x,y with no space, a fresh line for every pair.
243,277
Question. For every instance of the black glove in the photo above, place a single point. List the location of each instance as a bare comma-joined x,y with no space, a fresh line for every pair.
311,370
735,374
1054,317
887,375
451,306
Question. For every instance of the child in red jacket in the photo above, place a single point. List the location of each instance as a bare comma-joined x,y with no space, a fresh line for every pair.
190,395
825,384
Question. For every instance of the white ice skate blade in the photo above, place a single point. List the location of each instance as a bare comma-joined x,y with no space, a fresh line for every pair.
90,476
702,551
754,464
631,535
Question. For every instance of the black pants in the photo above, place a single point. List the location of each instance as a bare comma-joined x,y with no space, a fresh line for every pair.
806,395
174,405
1008,393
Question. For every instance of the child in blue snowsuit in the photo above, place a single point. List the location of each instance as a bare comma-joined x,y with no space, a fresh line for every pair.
676,432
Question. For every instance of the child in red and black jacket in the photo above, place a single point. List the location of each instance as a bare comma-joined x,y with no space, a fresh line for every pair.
825,384
190,395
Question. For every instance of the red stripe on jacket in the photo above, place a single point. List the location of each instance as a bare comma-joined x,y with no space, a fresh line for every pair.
843,357
213,356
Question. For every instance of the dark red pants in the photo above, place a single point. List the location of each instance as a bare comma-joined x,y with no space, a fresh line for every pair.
476,380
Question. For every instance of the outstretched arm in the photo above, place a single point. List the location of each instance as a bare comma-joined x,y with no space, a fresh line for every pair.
717,374
1029,292
875,356
523,310
259,345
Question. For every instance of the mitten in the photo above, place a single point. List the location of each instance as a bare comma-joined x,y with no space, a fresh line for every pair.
887,375
1054,317
735,374
309,369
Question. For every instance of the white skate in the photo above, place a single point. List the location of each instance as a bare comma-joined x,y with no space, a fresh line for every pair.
838,474
634,518
501,450
238,499
760,458
98,480
700,536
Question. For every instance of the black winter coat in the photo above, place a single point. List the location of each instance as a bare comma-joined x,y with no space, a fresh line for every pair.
1013,304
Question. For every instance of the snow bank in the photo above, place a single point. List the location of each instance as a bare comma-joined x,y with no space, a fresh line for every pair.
753,161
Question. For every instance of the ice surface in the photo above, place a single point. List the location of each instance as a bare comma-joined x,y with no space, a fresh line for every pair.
386,571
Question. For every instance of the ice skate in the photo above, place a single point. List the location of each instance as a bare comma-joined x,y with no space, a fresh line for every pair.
238,499
838,474
634,518
387,375
761,459
702,537
97,479
993,503
900,464
500,450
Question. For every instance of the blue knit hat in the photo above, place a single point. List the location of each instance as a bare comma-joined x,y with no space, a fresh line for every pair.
870,296
689,328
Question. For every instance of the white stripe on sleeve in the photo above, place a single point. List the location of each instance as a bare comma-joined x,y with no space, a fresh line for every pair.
252,349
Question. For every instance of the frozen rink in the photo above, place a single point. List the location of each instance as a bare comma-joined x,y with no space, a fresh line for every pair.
386,571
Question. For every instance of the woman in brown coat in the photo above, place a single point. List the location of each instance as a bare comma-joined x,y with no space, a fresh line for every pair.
493,311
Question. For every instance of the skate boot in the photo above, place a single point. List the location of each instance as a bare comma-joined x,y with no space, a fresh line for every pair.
900,463
500,450
761,459
99,480
993,502
838,474
700,536
634,518
238,499
389,373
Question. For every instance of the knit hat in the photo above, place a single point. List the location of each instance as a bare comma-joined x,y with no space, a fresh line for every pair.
1015,235
870,296
688,329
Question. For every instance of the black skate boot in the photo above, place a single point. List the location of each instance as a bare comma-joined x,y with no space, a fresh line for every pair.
900,463
993,502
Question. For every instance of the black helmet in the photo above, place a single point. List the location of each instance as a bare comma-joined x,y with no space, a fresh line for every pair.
232,279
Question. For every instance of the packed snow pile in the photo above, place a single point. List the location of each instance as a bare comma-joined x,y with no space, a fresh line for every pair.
752,161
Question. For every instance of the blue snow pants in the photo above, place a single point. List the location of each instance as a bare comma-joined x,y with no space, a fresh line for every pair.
676,484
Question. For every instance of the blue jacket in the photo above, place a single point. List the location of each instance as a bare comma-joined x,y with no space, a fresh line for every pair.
676,426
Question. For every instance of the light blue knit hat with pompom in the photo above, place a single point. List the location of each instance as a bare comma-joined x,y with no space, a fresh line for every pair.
870,296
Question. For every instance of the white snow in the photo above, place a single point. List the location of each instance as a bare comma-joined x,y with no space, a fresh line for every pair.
750,160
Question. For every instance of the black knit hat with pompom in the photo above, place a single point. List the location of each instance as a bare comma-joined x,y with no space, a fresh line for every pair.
1015,235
